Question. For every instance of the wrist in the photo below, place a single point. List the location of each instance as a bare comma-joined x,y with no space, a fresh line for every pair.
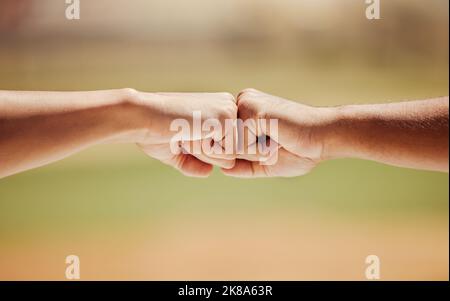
343,137
330,132
128,112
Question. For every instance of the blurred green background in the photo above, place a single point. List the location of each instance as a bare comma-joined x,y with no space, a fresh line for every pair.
130,217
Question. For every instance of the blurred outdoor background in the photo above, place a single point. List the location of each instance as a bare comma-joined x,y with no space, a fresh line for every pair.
130,217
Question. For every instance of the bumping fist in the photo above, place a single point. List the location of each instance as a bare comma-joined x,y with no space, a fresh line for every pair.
254,135
297,149
167,112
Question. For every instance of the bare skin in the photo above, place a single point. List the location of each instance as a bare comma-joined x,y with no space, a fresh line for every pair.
37,128
407,134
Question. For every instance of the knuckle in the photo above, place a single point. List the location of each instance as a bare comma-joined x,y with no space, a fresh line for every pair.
245,104
225,114
228,112
235,111
227,96
247,92
129,94
250,90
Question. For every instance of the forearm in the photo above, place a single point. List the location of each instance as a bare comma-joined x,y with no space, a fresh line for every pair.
408,134
37,128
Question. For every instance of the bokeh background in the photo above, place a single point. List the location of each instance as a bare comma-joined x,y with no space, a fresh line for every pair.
128,216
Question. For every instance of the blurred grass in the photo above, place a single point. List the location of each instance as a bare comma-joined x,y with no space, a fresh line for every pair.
317,80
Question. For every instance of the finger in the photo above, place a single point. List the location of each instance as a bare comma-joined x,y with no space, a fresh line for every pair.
264,151
224,148
186,163
247,91
198,150
223,163
193,167
219,149
245,169
251,103
249,116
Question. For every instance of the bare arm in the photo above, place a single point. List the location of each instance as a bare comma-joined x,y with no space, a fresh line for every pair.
409,134
37,128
